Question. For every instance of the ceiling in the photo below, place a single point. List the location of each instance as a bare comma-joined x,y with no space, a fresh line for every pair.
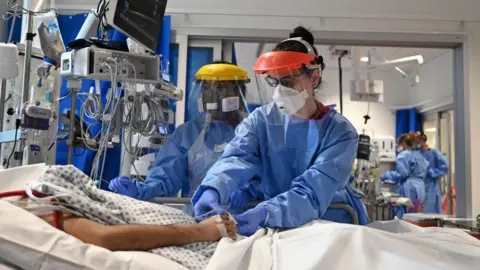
388,53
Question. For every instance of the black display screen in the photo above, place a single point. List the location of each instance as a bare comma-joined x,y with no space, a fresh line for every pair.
141,20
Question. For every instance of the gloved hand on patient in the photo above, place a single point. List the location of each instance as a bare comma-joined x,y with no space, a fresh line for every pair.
209,202
249,221
124,185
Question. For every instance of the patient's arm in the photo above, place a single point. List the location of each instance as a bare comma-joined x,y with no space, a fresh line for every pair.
144,237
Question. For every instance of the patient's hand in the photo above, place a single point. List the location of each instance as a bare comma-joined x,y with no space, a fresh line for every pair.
209,228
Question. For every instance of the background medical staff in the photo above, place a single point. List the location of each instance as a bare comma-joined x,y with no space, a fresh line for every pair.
219,91
301,151
438,167
410,172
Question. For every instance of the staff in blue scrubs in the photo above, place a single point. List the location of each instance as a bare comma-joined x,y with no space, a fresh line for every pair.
410,172
219,95
438,167
301,151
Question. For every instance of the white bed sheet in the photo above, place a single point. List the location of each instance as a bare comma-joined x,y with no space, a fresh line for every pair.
324,245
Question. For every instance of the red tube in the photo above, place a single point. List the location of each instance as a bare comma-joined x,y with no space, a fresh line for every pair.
56,220
13,194
23,193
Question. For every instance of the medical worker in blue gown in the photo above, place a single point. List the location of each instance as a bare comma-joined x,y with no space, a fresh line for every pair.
218,92
301,152
410,172
438,168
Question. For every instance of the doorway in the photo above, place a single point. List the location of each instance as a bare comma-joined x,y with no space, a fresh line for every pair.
439,129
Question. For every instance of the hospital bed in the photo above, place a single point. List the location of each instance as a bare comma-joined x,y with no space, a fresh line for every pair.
27,242
176,201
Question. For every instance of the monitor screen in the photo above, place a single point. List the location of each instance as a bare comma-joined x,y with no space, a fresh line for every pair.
141,20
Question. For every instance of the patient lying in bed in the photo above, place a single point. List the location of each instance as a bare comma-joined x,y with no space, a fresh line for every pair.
142,237
118,222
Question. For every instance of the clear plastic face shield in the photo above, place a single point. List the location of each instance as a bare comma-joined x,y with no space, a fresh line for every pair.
222,98
288,79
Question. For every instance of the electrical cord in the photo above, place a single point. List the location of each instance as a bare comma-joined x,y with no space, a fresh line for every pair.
110,108
64,96
17,126
102,8
137,113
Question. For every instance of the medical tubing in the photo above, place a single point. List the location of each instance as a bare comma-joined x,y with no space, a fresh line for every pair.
144,114
103,143
23,193
200,216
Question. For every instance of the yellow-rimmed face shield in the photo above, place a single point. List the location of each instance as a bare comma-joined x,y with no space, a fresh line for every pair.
219,90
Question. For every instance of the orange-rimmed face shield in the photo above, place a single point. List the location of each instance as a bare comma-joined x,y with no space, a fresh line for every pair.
287,78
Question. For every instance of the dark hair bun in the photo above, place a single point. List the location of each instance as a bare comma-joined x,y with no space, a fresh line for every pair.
303,33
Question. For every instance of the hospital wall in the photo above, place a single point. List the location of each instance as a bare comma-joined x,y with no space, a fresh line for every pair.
382,122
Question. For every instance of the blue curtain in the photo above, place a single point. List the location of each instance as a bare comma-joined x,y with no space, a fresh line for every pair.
17,29
407,120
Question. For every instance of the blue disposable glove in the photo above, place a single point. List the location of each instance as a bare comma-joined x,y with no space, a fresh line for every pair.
124,185
249,221
239,199
209,201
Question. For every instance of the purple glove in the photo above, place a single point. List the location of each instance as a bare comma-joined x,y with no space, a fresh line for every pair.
249,221
239,199
209,201
124,185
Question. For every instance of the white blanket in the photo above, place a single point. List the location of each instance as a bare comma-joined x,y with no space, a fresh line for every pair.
332,246
318,245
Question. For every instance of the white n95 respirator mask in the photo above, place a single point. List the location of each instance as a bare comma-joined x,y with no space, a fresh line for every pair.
288,100
229,104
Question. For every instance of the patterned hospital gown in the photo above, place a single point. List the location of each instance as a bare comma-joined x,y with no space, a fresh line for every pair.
114,209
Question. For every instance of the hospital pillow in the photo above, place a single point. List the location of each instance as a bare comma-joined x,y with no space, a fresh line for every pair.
15,178
28,242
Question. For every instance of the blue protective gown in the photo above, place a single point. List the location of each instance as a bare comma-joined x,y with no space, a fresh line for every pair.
409,176
304,166
438,168
170,171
